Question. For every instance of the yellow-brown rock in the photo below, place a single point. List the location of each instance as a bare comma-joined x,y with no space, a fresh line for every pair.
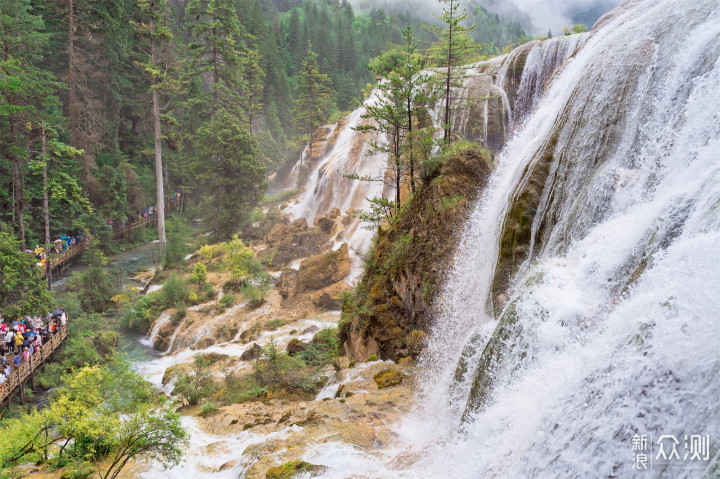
388,377
319,271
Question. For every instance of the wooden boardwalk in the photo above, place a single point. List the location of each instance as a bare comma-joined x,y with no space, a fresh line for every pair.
26,370
55,261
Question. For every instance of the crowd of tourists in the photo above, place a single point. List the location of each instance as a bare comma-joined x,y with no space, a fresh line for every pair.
24,337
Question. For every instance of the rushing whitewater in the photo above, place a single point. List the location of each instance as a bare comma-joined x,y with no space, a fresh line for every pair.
603,343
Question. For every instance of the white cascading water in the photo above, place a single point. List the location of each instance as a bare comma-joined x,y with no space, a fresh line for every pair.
615,328
328,188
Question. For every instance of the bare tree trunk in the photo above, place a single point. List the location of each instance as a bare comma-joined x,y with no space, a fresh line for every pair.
17,187
46,203
73,122
158,145
449,72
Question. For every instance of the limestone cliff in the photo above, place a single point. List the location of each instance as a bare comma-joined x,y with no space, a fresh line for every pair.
389,310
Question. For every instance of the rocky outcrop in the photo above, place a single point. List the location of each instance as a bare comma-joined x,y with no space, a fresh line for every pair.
405,269
288,242
319,271
295,346
329,298
321,276
253,352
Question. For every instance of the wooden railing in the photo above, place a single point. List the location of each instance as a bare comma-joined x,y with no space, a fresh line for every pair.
26,369
56,260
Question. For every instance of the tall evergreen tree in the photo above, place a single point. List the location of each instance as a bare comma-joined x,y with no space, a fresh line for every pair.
454,44
215,30
312,106
153,25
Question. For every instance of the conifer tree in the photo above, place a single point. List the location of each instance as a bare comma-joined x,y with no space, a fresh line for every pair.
153,25
215,30
455,42
312,106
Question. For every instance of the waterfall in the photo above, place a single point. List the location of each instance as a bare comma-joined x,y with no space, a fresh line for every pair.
582,308
607,326
346,154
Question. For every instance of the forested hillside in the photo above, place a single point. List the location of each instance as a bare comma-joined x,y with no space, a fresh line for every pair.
79,118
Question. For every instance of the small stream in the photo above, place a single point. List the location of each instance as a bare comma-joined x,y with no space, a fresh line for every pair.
123,268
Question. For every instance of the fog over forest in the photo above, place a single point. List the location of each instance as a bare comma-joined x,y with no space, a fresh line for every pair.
537,16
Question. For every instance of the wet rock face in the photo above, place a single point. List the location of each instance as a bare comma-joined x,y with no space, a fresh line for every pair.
329,298
319,271
288,242
391,306
388,378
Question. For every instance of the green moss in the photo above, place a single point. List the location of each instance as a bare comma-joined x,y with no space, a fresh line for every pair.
289,470
388,378
274,324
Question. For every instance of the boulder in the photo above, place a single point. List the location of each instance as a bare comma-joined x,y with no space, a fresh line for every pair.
319,271
161,342
329,298
388,377
296,346
289,283
253,352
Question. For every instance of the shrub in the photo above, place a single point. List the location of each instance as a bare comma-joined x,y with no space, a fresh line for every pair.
174,293
255,295
324,349
273,324
207,407
197,384
208,252
227,300
199,274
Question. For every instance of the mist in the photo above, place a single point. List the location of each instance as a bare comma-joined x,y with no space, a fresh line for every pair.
536,16
544,15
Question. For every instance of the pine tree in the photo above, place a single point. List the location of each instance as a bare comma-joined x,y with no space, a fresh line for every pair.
228,172
153,24
455,42
312,106
215,30
22,88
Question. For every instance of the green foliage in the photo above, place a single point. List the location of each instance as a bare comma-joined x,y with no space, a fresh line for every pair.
238,261
274,324
23,289
199,274
140,313
207,407
227,300
577,28
196,384
382,210
276,370
91,341
233,183
254,294
323,350
314,96
178,231
102,414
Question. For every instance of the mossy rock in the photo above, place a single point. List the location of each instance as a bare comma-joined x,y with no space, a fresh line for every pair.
295,346
293,469
388,377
